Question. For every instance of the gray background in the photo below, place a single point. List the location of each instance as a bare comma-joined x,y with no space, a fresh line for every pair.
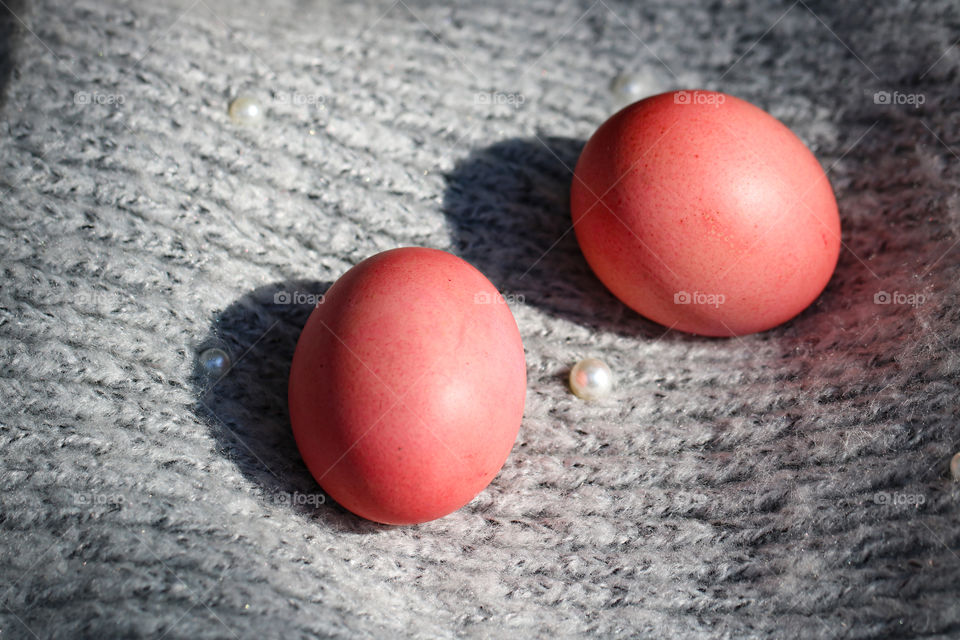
787,484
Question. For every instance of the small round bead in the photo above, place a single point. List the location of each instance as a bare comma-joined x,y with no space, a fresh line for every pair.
591,379
630,87
215,362
955,467
246,110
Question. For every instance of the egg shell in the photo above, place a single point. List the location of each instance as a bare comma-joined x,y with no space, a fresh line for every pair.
407,386
705,213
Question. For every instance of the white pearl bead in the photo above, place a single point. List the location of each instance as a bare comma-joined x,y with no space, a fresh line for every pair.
630,87
215,362
591,379
955,467
246,110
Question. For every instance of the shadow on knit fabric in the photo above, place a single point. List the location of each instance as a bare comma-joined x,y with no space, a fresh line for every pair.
246,407
508,207
10,33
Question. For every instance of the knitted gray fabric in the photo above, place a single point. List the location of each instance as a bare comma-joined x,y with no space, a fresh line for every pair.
788,484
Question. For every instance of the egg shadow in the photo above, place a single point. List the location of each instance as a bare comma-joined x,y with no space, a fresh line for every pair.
11,32
508,210
246,407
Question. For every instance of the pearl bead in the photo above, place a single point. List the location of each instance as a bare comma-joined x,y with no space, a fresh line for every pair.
955,467
630,87
246,110
215,362
591,379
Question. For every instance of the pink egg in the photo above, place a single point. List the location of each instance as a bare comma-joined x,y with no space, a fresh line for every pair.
407,386
705,213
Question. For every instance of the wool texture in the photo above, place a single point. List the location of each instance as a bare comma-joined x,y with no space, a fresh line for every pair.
792,483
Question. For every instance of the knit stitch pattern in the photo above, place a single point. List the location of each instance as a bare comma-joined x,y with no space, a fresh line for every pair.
792,483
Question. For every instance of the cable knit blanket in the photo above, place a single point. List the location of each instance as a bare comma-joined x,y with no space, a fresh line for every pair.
788,484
